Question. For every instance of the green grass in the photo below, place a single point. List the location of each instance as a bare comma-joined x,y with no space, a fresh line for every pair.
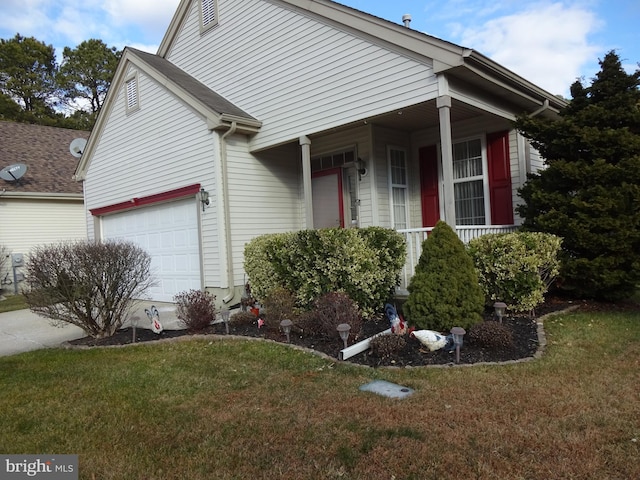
13,302
233,409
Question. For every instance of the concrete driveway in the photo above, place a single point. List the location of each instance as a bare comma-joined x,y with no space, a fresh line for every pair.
23,331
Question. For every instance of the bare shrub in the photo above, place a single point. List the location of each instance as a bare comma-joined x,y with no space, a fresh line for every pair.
387,345
243,319
491,334
332,309
88,284
195,309
279,304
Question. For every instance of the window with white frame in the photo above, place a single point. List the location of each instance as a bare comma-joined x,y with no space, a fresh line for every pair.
131,92
398,187
332,160
208,13
469,183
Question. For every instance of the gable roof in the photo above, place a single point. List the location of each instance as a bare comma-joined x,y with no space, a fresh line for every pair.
45,152
218,111
456,61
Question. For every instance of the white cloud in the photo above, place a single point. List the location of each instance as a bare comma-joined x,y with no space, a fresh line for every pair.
547,43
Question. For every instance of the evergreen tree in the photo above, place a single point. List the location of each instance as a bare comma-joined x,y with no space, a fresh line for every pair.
444,292
590,192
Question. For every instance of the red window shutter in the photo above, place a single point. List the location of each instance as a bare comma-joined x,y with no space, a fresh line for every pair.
429,185
500,191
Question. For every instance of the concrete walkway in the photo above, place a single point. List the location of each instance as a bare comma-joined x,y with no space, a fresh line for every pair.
23,330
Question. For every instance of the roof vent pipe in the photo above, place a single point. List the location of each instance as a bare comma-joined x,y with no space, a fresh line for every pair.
406,19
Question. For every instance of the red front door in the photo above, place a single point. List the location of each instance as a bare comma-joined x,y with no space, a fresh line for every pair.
429,185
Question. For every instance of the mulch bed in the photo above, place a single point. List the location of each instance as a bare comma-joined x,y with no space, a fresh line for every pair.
524,329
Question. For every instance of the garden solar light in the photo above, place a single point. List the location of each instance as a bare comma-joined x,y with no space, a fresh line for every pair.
225,318
134,324
286,328
458,334
343,330
499,308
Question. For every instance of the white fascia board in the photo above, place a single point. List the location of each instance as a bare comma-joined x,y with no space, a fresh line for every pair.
43,196
174,27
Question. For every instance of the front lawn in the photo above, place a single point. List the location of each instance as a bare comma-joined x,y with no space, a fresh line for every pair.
235,409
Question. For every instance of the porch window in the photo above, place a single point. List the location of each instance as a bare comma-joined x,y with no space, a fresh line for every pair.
469,183
399,187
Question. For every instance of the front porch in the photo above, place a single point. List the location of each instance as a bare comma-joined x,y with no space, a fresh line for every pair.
415,236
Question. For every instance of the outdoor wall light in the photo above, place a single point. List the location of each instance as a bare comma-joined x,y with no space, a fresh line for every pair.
203,196
361,166
458,335
343,330
225,318
499,310
286,328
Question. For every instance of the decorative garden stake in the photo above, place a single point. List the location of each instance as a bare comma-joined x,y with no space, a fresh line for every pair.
343,330
286,328
458,334
499,310
134,325
225,318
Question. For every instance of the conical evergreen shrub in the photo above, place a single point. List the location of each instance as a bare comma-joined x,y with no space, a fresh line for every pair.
444,292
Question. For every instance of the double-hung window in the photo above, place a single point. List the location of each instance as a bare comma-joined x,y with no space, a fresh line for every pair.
469,183
399,187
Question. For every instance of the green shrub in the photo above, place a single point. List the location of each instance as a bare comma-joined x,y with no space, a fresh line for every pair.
195,309
516,268
492,335
444,292
88,284
363,263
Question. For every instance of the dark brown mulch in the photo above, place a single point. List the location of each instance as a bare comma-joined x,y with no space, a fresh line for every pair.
524,329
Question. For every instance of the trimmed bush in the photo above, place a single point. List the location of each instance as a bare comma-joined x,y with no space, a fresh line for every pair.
195,309
88,284
363,263
444,292
516,268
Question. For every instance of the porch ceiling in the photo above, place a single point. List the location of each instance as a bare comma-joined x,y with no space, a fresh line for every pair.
424,115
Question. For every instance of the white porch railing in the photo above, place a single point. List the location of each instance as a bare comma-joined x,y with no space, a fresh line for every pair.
415,236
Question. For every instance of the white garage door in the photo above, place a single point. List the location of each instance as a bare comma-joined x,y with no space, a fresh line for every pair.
169,233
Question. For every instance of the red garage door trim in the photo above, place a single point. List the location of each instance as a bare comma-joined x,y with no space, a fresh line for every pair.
148,200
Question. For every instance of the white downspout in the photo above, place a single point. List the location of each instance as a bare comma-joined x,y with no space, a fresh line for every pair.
227,212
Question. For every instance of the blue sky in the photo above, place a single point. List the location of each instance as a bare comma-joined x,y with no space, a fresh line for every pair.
551,43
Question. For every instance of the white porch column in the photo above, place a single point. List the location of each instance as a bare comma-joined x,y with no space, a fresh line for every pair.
443,103
305,147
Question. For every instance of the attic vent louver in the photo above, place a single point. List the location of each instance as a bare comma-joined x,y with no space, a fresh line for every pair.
209,12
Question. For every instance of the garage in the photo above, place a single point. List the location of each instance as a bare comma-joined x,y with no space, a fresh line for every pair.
169,233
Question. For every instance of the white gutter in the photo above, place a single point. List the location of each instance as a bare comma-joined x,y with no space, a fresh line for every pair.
227,211
42,196
545,106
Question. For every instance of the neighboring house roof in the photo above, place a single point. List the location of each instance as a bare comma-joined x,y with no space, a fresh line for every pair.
45,152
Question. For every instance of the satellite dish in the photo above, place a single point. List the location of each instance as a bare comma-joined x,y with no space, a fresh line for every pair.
77,147
13,172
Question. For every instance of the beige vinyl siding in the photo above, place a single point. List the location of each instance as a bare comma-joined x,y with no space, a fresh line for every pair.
163,146
358,138
264,195
29,223
295,74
